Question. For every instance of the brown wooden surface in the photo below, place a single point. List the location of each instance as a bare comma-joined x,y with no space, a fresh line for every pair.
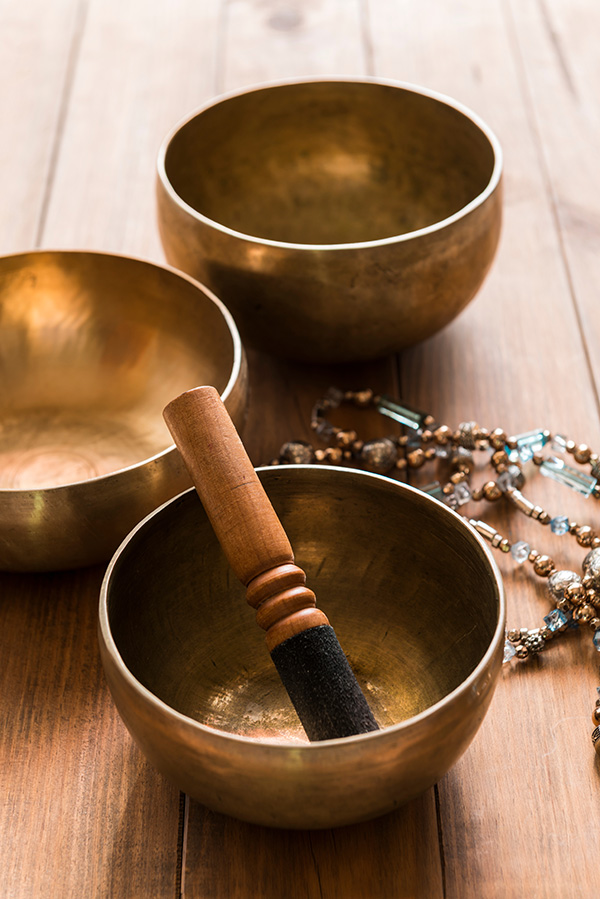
88,90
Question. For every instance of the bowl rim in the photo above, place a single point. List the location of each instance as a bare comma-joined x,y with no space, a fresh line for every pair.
105,632
236,369
446,100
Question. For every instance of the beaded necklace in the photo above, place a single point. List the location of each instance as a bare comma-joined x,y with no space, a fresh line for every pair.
575,597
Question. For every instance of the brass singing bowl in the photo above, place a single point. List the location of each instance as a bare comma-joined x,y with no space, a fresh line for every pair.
92,346
415,599
339,220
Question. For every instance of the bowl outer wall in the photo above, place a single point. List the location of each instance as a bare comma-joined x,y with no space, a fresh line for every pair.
318,785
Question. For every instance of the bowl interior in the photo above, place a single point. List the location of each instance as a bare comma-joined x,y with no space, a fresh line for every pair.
406,585
329,162
92,347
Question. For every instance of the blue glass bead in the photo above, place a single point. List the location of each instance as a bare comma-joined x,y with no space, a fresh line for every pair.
559,443
520,551
406,415
596,639
577,480
556,620
559,525
527,444
509,651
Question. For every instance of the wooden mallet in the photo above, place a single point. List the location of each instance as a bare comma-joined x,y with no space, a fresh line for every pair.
302,643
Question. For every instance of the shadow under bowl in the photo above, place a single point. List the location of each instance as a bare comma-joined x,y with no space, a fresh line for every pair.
414,597
92,347
338,219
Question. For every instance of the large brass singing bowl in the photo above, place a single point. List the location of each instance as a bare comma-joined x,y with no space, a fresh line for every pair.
339,219
92,346
413,595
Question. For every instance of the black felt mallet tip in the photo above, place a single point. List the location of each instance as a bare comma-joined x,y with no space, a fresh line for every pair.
312,665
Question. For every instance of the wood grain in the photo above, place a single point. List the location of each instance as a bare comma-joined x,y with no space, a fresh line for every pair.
88,90
510,807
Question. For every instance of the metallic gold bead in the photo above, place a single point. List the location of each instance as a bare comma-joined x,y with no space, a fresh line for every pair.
416,458
426,436
521,652
582,453
492,491
596,716
401,464
564,605
594,622
363,397
504,545
430,453
429,421
320,455
570,446
538,458
345,438
575,593
585,535
334,455
544,518
583,613
498,438
543,566
595,542
500,457
357,446
514,635
448,488
477,494
546,633
458,477
533,554
442,434
511,442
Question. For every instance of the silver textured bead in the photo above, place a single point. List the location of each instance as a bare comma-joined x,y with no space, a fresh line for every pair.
378,455
297,452
466,435
559,581
591,568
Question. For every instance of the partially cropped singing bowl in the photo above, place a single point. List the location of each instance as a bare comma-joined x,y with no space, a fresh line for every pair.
92,346
416,602
338,220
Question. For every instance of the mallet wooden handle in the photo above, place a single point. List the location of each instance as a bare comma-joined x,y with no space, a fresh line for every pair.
241,514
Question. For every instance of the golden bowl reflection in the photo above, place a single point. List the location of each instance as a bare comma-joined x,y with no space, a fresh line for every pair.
417,604
92,346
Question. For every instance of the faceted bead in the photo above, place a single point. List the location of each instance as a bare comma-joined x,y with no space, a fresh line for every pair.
462,493
509,651
512,477
527,444
451,500
559,525
401,412
378,455
559,581
556,620
559,443
577,480
520,551
596,639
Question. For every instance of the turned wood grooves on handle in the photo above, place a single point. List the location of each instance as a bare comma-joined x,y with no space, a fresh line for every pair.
248,529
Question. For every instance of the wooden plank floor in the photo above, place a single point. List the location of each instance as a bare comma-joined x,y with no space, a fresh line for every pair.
88,88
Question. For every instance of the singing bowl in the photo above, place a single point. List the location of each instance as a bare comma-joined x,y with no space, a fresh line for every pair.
339,220
92,346
417,604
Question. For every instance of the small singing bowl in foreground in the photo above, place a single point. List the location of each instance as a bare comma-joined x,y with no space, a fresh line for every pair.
92,346
417,604
338,219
